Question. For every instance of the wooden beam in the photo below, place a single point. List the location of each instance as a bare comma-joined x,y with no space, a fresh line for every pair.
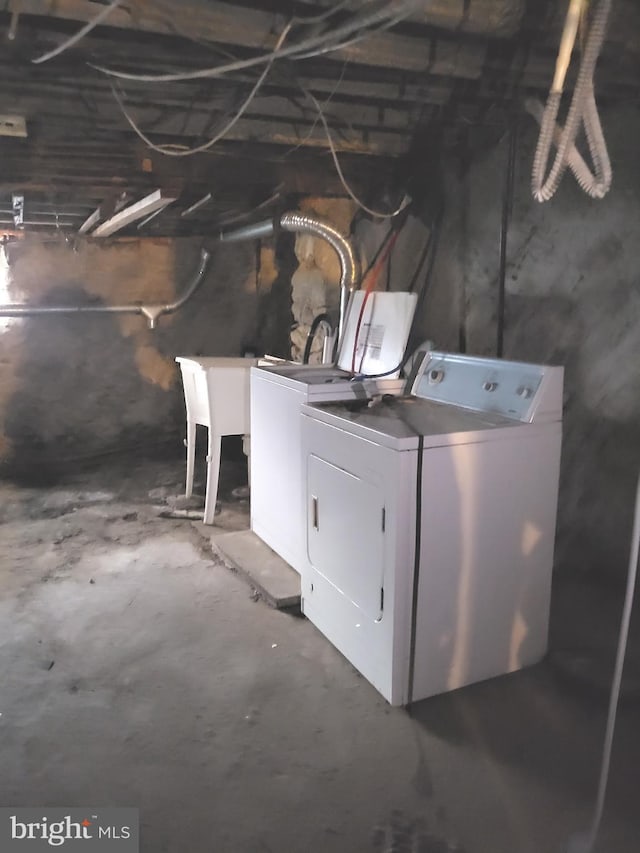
106,209
90,222
494,18
139,210
62,99
491,18
226,23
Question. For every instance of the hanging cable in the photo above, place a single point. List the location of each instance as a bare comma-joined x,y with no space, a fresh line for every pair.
74,39
373,278
326,103
380,15
173,151
375,213
433,240
361,36
583,110
321,16
374,260
318,320
325,317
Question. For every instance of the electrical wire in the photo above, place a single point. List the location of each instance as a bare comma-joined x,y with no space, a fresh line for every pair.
417,546
74,39
175,151
433,241
421,262
322,16
356,23
326,103
377,254
362,36
375,213
318,320
366,272
390,242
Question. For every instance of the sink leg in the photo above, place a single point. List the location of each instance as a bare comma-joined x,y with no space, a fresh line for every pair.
213,473
191,455
246,448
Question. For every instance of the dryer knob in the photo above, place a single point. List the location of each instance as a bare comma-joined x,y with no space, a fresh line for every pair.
436,376
490,386
524,392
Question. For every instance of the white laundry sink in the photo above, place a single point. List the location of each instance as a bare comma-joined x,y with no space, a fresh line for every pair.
216,393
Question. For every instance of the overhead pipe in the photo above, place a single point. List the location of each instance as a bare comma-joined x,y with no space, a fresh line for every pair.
150,311
256,231
297,222
293,221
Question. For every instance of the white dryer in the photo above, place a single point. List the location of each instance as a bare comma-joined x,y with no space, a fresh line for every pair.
278,392
430,524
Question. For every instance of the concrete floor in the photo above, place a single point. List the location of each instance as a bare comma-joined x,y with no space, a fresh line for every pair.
136,670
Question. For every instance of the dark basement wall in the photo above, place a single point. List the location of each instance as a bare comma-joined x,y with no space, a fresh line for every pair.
573,300
76,387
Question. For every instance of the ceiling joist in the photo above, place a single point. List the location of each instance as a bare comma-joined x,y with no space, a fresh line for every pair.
456,64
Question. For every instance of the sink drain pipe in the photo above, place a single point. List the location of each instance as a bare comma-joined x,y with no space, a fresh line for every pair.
151,311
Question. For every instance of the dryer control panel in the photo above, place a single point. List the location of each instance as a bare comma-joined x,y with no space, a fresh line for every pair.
524,392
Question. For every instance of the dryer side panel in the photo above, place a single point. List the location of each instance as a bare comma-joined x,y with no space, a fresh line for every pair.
488,531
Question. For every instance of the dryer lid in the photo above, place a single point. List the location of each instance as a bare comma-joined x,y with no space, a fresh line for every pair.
400,423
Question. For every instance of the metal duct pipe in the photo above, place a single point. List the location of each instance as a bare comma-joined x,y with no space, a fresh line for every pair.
151,312
302,223
249,232
349,267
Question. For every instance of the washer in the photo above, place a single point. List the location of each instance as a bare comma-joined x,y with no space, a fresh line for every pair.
278,392
430,524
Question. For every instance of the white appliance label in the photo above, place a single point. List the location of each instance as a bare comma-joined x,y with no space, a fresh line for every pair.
371,341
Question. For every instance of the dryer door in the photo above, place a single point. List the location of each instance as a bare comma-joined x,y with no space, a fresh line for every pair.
345,534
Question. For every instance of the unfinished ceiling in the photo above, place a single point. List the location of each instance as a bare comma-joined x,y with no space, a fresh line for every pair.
374,76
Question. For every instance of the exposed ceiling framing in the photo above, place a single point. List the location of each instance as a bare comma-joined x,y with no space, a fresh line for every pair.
454,63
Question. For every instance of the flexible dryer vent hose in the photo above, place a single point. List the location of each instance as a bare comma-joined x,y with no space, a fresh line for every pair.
583,109
301,223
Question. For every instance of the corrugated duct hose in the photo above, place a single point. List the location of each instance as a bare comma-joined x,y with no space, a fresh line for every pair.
583,110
